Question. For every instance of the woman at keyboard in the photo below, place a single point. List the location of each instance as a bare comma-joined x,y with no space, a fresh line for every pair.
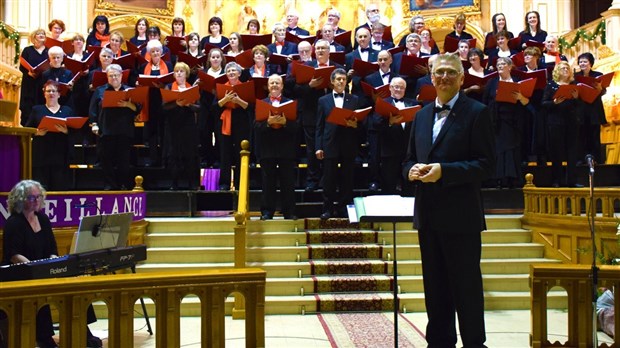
28,236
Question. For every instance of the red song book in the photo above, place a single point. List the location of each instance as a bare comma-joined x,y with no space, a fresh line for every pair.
260,86
428,93
127,61
49,123
79,66
65,87
100,78
540,75
515,43
587,94
565,91
376,92
343,38
604,80
190,95
155,81
136,95
44,65
471,80
386,110
280,59
296,39
363,68
408,65
207,82
95,49
339,116
67,45
244,90
305,73
133,49
451,44
245,59
532,43
396,49
505,90
176,44
251,40
264,110
518,59
337,57
192,61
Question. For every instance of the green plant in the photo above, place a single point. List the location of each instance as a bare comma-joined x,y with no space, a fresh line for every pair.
11,36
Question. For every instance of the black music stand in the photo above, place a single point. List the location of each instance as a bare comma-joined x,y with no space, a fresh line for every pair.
390,209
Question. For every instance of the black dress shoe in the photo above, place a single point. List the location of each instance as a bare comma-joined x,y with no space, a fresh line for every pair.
576,185
224,187
373,187
266,217
555,184
326,215
290,217
310,187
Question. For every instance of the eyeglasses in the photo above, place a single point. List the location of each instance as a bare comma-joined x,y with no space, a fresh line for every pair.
33,198
50,91
114,76
445,72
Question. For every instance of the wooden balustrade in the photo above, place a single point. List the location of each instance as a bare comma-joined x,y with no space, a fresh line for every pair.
558,219
72,296
241,217
577,281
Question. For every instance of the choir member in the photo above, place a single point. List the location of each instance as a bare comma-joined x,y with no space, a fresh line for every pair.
215,36
140,37
292,17
34,55
498,21
100,32
532,29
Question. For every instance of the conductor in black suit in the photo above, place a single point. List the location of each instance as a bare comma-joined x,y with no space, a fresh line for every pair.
336,144
451,152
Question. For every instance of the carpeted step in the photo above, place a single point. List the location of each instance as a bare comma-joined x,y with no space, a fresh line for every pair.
348,267
359,302
341,236
345,251
352,283
330,224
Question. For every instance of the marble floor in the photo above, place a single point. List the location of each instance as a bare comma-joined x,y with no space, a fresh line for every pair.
504,329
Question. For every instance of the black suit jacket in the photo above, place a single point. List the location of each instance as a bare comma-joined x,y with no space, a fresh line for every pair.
385,45
465,148
276,142
336,141
299,31
393,139
356,87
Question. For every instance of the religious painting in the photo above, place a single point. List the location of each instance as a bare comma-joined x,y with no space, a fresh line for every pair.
156,7
419,5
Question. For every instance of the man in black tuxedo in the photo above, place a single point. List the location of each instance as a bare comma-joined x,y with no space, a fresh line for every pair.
327,33
362,52
277,137
451,152
377,42
336,144
373,16
333,18
292,17
280,46
308,95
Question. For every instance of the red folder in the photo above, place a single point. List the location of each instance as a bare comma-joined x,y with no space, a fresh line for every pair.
50,122
245,59
95,49
518,59
363,68
540,75
190,95
408,64
343,38
137,95
251,40
65,87
264,109
428,93
133,49
451,44
339,116
260,87
565,91
176,44
279,59
207,82
127,61
387,33
396,49
244,90
100,78
374,92
337,57
192,61
386,110
604,80
78,66
305,73
208,47
587,94
471,80
505,90
67,45
515,43
296,39
44,65
532,43
155,81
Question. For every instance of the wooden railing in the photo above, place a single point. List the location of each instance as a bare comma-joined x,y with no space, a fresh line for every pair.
577,281
558,218
20,300
241,217
10,76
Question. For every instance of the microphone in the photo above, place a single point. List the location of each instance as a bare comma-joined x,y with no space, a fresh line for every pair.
591,162
95,232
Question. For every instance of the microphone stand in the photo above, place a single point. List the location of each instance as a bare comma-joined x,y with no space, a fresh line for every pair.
594,255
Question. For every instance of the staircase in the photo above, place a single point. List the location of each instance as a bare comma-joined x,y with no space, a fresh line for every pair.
282,248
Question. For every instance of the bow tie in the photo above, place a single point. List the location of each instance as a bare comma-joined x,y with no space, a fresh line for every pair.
338,95
378,43
401,100
279,43
278,99
364,49
384,75
438,109
322,64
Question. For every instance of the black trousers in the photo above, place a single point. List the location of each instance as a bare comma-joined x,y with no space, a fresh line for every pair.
274,170
338,183
115,157
563,146
391,168
314,165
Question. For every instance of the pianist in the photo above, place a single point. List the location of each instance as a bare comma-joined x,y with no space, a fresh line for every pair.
28,236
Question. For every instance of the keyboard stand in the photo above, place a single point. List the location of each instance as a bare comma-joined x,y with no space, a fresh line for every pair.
144,311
